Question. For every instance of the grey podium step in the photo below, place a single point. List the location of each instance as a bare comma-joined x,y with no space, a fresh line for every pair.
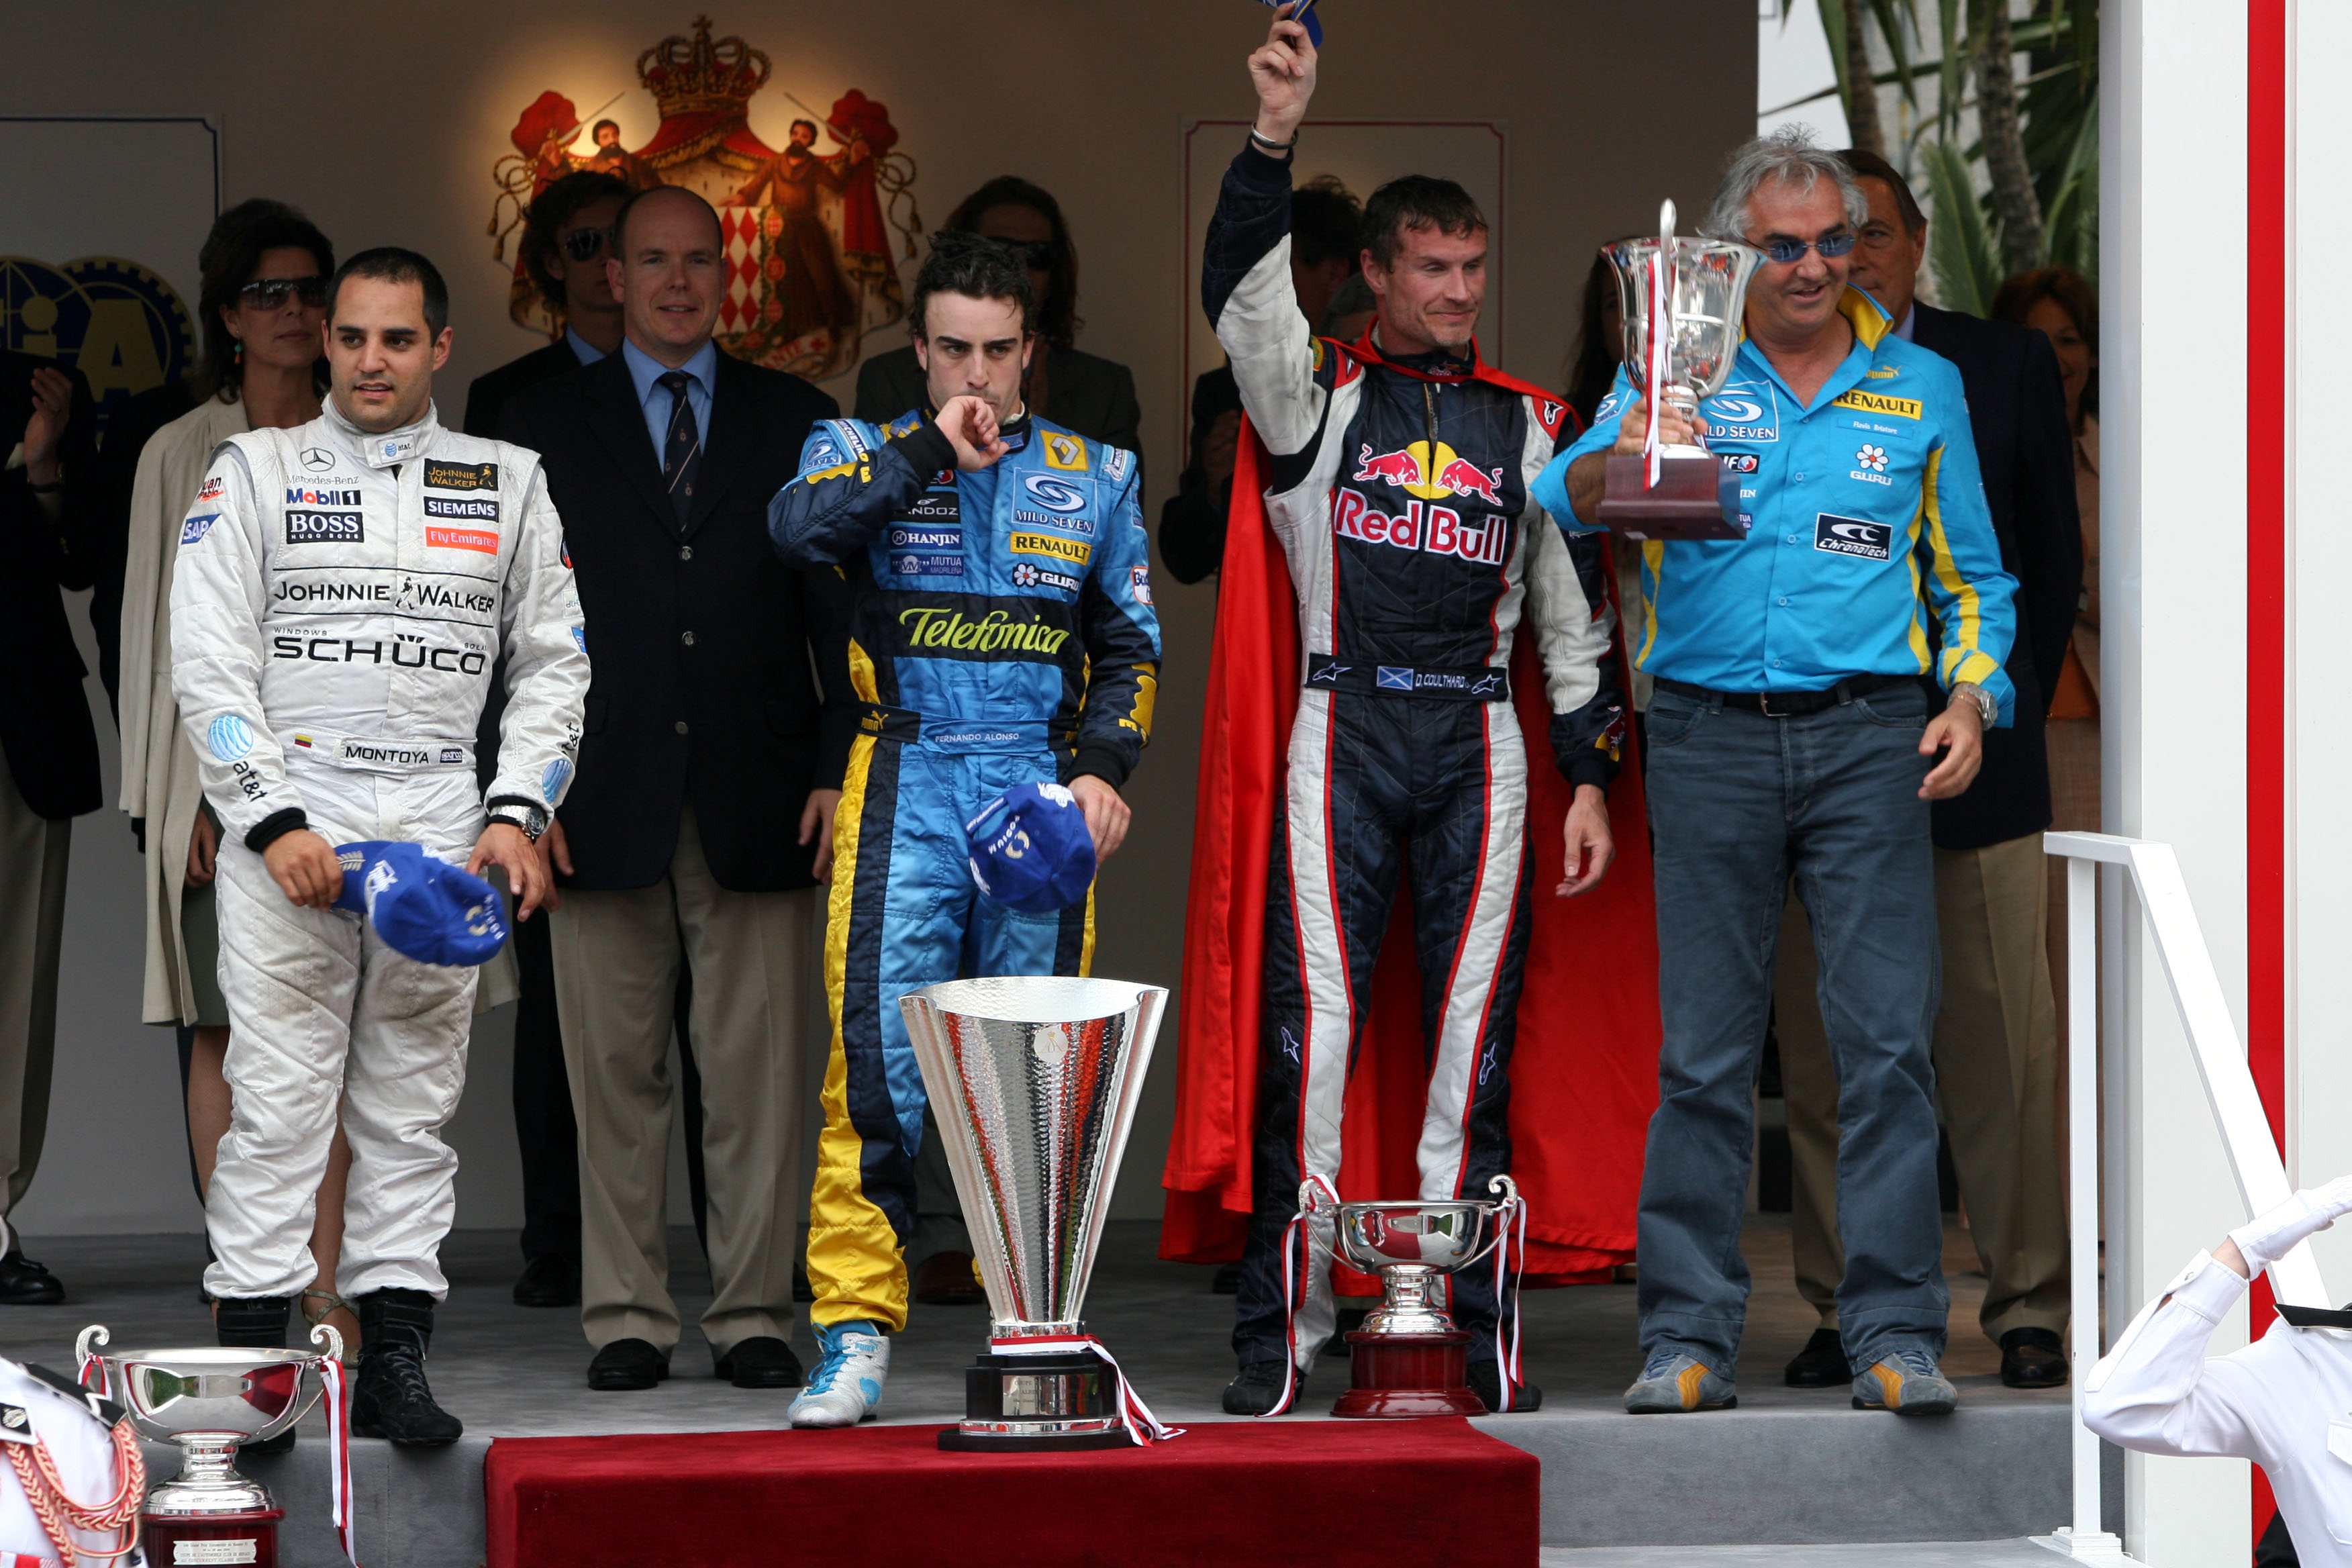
1891,1555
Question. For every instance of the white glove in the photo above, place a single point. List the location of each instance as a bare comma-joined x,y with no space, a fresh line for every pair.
2266,1238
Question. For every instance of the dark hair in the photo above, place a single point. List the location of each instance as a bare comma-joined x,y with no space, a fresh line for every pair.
391,264
2070,292
796,124
1416,201
1598,351
592,136
1055,317
621,218
976,266
232,253
551,212
1327,220
1869,166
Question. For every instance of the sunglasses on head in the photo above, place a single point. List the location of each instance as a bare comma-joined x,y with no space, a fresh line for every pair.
582,244
1783,249
269,293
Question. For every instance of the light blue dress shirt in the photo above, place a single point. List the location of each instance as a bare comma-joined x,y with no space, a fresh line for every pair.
1870,550
586,352
647,372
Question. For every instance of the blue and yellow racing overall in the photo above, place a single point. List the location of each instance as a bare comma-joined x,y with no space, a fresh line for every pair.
1001,631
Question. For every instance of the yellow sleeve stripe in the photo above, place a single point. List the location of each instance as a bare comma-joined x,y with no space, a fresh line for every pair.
1654,556
1964,626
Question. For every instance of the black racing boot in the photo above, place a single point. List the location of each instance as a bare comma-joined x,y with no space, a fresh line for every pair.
391,1399
1257,1388
255,1322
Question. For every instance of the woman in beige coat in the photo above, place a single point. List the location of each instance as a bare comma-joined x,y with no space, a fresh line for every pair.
263,307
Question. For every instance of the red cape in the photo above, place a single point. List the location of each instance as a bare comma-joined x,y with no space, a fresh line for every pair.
1584,1071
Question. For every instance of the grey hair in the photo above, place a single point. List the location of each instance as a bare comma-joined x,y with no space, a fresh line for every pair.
1789,156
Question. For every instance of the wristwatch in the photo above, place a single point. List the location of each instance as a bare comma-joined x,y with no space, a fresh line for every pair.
530,820
1987,710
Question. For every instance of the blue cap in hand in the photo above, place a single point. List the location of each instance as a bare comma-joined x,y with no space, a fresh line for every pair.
1031,850
420,904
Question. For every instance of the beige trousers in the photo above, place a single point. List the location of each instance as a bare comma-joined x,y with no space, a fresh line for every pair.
1997,1073
752,957
33,851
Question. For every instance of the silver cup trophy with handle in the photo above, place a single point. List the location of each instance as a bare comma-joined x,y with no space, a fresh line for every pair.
208,1400
1682,302
1034,1081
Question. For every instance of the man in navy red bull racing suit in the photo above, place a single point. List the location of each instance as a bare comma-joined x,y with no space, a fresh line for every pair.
1001,631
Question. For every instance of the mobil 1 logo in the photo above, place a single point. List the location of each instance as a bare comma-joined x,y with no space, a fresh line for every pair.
1855,536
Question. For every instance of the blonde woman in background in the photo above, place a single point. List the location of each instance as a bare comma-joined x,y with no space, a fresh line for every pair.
2060,304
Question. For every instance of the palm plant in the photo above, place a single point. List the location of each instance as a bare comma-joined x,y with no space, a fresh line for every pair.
2022,191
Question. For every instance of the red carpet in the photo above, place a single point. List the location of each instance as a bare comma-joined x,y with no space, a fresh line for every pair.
1229,1493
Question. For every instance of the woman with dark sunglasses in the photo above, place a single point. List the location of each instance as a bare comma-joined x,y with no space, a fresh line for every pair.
262,308
1074,389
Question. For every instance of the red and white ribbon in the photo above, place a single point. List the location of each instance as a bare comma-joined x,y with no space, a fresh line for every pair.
1662,330
338,1454
1515,1235
1141,1425
1297,1274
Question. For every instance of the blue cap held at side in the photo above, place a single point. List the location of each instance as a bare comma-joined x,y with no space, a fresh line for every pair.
420,904
1031,850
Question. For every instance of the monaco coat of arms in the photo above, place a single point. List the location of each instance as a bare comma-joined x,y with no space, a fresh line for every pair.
812,228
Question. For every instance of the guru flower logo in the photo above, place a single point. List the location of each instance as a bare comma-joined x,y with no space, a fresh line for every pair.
1872,457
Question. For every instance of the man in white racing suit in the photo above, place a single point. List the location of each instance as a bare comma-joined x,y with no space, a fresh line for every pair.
343,591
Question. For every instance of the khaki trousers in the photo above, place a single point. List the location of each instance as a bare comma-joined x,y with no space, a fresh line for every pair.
616,959
33,851
1997,1073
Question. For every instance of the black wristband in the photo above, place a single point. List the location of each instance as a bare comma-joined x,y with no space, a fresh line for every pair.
926,449
275,826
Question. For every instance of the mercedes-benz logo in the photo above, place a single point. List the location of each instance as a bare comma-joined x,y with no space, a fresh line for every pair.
318,459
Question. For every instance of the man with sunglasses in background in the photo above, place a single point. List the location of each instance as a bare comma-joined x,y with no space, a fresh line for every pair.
1792,737
565,238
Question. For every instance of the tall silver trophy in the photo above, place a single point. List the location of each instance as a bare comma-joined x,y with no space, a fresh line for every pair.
1033,1081
208,1400
1682,301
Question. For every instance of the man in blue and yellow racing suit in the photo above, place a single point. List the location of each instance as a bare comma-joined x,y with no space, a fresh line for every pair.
1001,631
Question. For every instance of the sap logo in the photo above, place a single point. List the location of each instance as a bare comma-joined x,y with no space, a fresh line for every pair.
296,496
195,528
325,527
1852,536
1054,495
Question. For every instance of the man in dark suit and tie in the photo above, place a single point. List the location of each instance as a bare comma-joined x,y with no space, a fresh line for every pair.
1996,1045
704,802
564,242
49,753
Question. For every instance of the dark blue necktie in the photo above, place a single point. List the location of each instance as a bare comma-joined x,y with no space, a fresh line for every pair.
682,450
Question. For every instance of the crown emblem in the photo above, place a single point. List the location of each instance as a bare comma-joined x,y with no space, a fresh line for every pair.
698,75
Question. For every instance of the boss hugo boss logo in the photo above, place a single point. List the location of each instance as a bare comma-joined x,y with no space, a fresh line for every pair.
460,476
1855,536
325,527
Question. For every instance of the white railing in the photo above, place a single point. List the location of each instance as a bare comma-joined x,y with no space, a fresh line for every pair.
2220,1059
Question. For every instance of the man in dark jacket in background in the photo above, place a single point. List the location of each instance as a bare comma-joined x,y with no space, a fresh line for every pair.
1996,1046
50,748
704,792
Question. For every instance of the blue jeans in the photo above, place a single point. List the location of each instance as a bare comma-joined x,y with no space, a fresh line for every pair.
1740,805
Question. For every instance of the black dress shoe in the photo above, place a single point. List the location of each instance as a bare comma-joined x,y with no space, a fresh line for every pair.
626,1364
760,1362
1486,1383
1821,1364
1257,1388
24,1283
549,1282
2033,1358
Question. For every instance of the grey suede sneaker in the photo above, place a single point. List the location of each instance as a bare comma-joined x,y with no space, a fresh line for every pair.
1674,1382
1907,1381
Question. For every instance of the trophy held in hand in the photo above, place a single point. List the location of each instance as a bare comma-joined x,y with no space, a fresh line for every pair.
1682,300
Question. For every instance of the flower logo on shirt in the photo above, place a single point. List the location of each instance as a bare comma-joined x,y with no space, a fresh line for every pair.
1872,457
1025,576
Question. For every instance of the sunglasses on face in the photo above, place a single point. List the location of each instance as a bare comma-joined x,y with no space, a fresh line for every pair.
582,244
1783,249
269,293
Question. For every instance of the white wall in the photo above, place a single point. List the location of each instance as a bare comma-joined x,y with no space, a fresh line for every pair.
384,124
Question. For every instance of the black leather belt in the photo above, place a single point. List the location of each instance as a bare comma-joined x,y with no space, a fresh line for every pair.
1789,704
1479,683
